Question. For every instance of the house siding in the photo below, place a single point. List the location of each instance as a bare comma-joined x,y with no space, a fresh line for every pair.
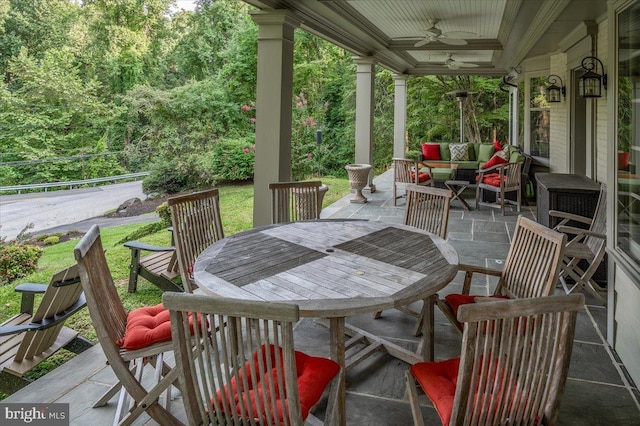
559,124
602,139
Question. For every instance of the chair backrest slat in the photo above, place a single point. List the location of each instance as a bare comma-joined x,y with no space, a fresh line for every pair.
107,313
404,170
243,345
533,262
515,360
294,201
196,225
599,223
428,208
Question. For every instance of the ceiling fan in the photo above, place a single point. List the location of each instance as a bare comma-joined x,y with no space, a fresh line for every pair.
455,38
452,64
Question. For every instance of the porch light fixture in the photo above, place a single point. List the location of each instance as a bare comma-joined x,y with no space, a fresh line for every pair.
554,91
590,84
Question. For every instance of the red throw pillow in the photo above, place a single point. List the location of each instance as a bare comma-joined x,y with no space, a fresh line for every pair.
497,145
431,151
493,161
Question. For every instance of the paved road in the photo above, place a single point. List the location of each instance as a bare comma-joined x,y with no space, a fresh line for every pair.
56,209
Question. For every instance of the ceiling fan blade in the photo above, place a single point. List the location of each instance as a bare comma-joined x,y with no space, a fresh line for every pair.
453,41
460,34
466,65
453,65
422,42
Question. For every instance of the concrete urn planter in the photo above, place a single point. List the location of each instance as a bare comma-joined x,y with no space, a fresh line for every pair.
358,179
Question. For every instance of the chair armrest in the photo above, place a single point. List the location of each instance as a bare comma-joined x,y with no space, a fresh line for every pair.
138,245
570,216
471,269
45,322
31,288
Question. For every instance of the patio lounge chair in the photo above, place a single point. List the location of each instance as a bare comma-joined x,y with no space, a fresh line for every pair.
160,267
196,225
500,179
513,367
247,372
530,270
130,341
29,338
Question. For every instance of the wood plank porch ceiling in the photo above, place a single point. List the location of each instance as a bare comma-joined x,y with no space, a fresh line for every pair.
506,31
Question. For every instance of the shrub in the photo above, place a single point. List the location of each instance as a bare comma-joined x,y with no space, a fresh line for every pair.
51,240
170,177
165,213
412,155
231,160
17,260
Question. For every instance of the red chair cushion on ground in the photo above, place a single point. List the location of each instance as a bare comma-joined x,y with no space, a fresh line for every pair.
422,176
314,374
431,151
457,300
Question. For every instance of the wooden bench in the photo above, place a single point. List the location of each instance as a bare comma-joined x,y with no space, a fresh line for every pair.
28,338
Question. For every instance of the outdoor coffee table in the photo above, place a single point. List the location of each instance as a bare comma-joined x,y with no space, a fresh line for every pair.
457,187
333,269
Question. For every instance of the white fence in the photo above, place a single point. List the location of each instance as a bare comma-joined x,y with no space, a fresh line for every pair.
70,184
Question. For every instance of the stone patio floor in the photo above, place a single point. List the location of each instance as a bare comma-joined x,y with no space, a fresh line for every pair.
598,391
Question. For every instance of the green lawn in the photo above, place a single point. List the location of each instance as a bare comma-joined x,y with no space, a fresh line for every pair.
236,205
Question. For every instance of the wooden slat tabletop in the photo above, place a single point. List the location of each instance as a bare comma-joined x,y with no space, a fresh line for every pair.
330,268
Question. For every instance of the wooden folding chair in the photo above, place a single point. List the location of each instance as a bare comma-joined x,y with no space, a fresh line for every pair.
29,338
407,172
513,367
294,201
196,225
586,246
123,338
530,270
246,372
427,208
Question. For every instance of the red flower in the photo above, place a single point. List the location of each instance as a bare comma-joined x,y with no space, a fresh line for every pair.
309,155
252,120
245,108
246,150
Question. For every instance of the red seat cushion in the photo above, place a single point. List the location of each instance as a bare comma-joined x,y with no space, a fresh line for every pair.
497,145
314,374
146,326
492,179
431,151
422,176
438,380
457,300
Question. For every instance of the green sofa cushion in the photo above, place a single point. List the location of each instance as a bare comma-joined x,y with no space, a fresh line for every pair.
485,151
468,165
445,155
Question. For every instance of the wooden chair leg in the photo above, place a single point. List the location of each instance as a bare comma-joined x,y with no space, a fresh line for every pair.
412,393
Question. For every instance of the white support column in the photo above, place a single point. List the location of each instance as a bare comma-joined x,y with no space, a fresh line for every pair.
399,115
273,107
365,82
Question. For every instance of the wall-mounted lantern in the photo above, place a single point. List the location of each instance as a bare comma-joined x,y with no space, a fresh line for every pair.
553,90
590,84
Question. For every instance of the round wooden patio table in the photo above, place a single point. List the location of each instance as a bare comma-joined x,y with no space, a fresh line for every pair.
333,269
